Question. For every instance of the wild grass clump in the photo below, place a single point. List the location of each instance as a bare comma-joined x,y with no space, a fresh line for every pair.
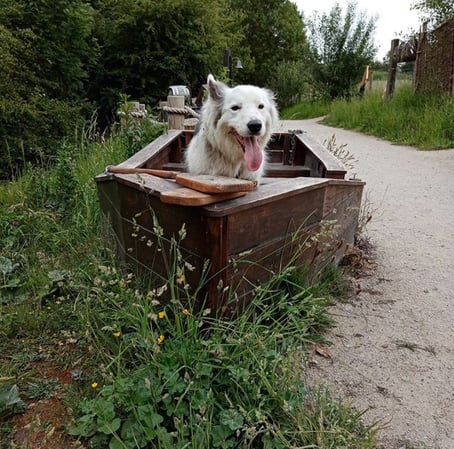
423,121
174,376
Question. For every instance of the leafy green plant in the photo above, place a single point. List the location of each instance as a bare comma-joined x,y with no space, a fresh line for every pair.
65,189
8,278
137,127
10,401
342,45
175,375
42,389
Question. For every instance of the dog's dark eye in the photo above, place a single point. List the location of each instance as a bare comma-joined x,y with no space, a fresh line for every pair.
235,107
261,106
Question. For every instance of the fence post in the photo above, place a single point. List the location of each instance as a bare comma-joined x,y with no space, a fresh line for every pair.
391,83
176,119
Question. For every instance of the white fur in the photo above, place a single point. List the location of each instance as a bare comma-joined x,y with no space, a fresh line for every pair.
226,113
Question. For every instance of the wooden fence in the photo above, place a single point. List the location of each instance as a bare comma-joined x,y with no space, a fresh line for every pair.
433,54
434,66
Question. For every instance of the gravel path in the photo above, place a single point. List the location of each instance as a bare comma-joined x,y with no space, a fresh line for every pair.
393,346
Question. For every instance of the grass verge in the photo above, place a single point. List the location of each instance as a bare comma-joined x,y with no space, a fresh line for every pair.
422,121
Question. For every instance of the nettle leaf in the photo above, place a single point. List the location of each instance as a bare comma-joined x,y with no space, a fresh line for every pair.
7,266
148,416
175,384
242,374
201,398
132,434
85,426
203,370
220,435
167,402
231,418
110,427
104,409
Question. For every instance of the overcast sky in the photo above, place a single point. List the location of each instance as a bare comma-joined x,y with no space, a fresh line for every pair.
394,17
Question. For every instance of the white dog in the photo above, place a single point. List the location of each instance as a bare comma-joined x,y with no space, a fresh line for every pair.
235,127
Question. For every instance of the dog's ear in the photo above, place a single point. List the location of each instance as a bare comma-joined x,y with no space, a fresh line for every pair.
215,88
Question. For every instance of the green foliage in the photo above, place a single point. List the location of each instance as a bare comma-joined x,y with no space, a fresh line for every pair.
42,389
62,42
403,119
10,402
273,36
306,109
434,11
290,83
49,222
136,131
148,45
62,59
156,372
31,129
45,48
175,377
342,46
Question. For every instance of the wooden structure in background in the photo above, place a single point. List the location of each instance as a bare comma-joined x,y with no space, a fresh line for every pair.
434,68
392,69
243,240
433,55
368,77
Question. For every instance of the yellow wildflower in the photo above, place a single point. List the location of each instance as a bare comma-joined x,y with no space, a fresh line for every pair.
117,334
94,385
161,314
160,340
186,312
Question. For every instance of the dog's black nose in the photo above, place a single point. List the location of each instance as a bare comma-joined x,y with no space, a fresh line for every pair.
254,126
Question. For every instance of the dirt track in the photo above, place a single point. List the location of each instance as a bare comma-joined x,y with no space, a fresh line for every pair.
393,350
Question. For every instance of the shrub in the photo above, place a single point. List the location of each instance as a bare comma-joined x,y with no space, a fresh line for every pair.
32,130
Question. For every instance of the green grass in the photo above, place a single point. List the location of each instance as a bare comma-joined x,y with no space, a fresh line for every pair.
305,110
152,373
422,121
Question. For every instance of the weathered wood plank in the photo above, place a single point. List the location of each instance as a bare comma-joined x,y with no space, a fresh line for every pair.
320,160
153,150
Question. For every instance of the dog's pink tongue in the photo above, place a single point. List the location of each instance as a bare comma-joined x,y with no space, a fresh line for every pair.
252,153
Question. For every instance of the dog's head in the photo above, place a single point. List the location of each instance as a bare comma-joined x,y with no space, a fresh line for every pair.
245,113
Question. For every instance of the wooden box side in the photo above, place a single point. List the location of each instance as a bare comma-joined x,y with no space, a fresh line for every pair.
320,161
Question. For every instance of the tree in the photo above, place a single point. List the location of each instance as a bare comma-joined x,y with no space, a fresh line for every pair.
62,48
273,33
434,11
45,49
341,45
149,45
